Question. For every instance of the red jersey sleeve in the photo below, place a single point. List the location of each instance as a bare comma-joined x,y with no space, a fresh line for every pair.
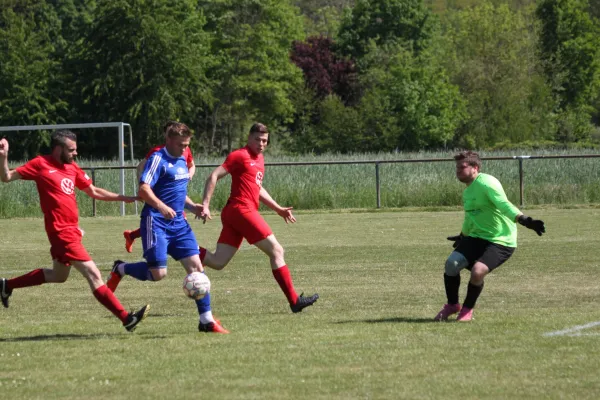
189,158
232,162
154,150
30,170
82,180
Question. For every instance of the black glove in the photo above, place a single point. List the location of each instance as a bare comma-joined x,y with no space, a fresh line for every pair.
534,224
456,239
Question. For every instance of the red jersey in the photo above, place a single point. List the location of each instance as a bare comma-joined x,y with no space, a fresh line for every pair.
56,185
247,171
189,159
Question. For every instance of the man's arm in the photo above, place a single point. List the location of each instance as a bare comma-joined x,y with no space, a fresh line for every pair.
140,168
284,212
209,189
6,175
103,194
192,170
147,194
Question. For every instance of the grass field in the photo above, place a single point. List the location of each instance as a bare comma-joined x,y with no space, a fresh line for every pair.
370,336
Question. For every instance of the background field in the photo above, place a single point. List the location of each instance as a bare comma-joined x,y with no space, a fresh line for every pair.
325,187
370,335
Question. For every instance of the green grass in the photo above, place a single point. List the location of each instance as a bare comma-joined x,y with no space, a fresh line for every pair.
423,184
370,335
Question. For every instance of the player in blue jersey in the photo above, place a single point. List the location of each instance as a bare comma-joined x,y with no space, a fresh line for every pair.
165,231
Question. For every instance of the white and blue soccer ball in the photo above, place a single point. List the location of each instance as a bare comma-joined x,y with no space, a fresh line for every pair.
196,285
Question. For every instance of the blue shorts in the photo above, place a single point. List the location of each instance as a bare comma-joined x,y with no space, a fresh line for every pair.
162,237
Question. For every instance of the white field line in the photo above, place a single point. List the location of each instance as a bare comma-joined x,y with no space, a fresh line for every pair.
575,330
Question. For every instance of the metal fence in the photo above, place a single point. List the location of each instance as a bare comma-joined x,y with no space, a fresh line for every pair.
376,164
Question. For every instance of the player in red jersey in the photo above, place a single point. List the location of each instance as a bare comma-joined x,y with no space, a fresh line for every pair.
56,177
131,235
241,218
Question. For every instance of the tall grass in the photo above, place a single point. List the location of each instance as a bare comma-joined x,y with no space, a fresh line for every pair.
423,184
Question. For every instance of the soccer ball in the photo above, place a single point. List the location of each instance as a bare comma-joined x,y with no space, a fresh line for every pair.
196,285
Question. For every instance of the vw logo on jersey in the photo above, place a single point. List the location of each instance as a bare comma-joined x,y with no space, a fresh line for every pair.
67,186
180,170
259,178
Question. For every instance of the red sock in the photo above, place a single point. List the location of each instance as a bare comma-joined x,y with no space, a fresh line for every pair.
110,301
284,279
136,234
33,278
202,254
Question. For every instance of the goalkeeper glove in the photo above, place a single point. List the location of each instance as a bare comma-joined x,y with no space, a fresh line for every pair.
533,224
456,239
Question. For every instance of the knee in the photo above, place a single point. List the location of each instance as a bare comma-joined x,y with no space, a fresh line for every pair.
455,263
278,251
479,272
159,274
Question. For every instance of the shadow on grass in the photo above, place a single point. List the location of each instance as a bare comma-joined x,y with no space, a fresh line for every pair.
395,320
70,336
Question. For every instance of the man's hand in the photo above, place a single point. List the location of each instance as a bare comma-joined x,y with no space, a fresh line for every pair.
3,148
204,213
533,224
286,214
129,199
456,239
167,212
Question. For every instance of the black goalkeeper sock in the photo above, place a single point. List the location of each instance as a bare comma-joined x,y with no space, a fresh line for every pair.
452,284
473,293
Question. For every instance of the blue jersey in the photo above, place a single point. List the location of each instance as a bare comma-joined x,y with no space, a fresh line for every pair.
168,178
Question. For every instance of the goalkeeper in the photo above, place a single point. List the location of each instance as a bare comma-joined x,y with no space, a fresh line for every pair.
488,237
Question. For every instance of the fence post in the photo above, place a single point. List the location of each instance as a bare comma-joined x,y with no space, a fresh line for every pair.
521,184
93,200
377,185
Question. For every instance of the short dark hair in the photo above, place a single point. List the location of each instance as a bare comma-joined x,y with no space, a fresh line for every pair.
174,128
258,128
470,157
59,138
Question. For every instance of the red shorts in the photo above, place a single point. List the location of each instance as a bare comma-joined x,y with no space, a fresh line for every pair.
239,224
66,246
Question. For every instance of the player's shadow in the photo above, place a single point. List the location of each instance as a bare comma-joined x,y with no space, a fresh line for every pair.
70,336
405,320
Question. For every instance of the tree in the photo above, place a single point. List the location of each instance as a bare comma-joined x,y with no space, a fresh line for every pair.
142,61
250,73
491,56
570,47
325,72
27,68
406,22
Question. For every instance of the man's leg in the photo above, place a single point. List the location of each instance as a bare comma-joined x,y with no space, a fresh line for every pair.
154,243
220,258
478,273
130,237
271,247
106,297
207,321
454,264
39,276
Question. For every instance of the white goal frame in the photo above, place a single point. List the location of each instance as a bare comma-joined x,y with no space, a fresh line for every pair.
121,130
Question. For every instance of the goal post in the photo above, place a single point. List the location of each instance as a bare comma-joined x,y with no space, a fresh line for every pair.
121,138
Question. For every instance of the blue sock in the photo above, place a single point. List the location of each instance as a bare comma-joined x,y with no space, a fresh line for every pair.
139,271
203,304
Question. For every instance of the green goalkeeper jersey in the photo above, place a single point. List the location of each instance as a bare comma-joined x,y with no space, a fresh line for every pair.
488,213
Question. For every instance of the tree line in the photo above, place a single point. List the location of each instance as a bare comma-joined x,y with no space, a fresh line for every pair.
325,75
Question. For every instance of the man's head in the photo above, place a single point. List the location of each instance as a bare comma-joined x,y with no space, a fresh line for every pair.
178,137
258,138
468,165
64,146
